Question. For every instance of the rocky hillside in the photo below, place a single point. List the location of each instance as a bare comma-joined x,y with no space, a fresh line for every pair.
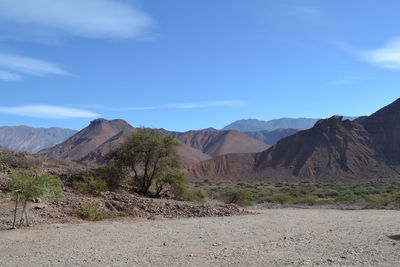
214,143
91,144
271,137
32,140
384,128
333,149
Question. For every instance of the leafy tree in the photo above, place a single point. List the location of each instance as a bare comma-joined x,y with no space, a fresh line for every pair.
150,156
27,186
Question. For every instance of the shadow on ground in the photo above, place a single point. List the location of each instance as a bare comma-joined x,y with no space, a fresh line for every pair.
394,237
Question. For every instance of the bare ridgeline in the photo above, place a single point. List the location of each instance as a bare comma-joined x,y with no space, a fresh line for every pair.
352,163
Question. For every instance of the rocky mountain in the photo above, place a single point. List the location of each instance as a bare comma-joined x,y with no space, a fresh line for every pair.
32,140
253,125
384,128
271,137
365,149
91,144
214,143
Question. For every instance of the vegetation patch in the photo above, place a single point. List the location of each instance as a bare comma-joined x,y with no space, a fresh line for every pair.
90,185
91,213
367,195
237,196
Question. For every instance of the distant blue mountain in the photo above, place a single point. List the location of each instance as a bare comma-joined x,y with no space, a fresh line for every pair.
254,125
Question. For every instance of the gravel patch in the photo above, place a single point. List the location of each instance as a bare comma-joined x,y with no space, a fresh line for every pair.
278,237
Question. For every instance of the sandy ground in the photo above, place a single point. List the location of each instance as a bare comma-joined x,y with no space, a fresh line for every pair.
281,237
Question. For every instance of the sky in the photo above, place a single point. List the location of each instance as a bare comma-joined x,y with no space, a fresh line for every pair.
193,64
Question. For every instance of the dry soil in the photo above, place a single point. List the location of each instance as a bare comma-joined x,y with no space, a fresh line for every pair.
276,237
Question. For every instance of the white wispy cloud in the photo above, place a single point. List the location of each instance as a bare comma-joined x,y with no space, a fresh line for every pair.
351,79
229,103
192,105
46,111
16,65
386,57
84,18
9,76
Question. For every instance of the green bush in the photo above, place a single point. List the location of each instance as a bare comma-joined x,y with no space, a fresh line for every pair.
308,200
90,213
90,185
112,176
281,198
196,195
347,197
241,197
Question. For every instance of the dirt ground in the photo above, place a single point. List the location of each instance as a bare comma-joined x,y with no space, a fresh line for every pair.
276,237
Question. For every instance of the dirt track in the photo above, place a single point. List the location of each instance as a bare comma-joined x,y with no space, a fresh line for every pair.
283,237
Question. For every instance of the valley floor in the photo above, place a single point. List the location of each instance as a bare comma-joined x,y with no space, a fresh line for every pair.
276,237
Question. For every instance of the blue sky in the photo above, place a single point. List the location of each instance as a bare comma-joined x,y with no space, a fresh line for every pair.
192,64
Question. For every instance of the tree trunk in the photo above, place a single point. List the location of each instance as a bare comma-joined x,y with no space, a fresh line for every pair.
15,212
24,214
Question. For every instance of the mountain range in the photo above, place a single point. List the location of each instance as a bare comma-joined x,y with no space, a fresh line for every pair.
32,140
364,149
90,145
254,125
337,148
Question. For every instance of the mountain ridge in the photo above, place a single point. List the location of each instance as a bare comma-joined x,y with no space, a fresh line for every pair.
255,125
28,139
332,149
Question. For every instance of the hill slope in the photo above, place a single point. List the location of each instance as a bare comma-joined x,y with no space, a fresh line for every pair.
32,140
214,143
384,128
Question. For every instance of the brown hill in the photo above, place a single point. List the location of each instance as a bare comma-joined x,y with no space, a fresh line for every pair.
332,149
214,143
91,144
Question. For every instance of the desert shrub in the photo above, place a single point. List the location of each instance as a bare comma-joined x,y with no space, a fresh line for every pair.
90,213
347,197
17,160
112,176
281,198
240,197
90,185
196,195
308,200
